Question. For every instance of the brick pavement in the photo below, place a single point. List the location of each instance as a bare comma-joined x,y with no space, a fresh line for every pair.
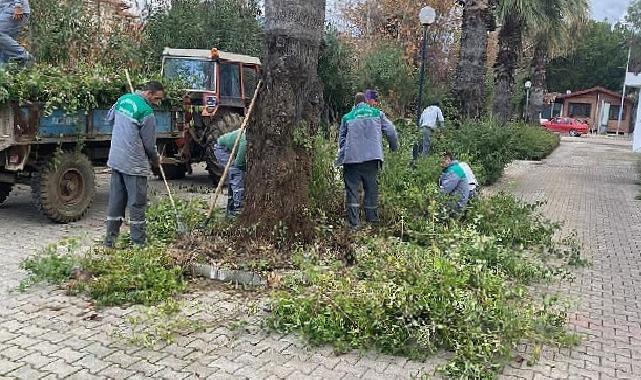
588,184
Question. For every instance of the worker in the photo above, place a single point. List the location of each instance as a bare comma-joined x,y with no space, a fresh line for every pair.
431,118
471,178
14,16
453,182
236,183
360,153
133,147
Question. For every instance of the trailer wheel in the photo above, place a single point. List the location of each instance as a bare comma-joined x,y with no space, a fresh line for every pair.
64,186
5,190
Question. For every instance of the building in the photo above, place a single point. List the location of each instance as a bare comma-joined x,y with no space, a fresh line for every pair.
598,106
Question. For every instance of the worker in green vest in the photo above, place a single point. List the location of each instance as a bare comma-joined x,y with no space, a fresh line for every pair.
236,184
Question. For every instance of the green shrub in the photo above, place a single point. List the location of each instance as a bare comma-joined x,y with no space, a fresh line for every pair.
53,266
439,283
125,275
131,276
405,299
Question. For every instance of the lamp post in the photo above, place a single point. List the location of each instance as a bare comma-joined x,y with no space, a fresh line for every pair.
627,67
427,16
528,86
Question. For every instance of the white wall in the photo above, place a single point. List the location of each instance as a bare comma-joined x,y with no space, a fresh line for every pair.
634,80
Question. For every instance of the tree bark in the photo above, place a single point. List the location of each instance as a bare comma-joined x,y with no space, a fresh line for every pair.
287,116
538,82
469,84
510,42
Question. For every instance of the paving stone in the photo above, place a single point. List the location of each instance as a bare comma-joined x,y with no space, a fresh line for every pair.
61,368
115,372
7,366
92,364
26,372
37,360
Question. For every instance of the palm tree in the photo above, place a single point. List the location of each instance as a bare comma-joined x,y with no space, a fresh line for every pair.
518,18
565,20
469,84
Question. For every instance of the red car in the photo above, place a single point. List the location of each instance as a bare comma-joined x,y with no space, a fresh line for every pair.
573,127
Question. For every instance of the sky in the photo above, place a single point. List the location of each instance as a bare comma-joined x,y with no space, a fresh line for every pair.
613,10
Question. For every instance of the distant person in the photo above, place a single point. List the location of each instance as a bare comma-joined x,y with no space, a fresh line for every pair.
14,16
360,152
236,183
431,118
471,178
133,147
453,182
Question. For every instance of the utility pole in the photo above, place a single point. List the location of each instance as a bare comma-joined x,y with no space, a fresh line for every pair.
627,66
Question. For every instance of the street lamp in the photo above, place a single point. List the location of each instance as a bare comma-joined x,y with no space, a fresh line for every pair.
528,86
427,16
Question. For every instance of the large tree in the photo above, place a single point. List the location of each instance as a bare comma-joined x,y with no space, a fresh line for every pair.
286,118
469,84
566,19
598,58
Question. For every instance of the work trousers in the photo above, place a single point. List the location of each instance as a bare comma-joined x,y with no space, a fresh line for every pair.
355,175
235,183
127,191
9,31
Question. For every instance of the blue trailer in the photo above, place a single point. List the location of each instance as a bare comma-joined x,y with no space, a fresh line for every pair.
55,153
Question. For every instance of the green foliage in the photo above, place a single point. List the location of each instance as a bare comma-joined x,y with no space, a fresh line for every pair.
492,145
70,33
439,283
325,192
385,69
598,59
52,266
127,275
81,88
130,276
161,218
336,65
406,299
229,25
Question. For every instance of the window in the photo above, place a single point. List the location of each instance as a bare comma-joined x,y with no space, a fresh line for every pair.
250,81
198,74
580,110
614,112
230,80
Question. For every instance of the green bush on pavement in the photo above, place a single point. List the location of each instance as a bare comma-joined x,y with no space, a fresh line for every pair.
424,282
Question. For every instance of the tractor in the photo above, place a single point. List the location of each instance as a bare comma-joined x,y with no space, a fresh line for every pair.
220,86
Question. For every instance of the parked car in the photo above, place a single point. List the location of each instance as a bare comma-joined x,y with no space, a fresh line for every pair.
568,125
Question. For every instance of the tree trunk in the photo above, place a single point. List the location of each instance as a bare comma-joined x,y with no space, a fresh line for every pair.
538,82
286,118
469,84
506,62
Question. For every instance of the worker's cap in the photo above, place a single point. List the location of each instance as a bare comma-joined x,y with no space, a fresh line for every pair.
371,94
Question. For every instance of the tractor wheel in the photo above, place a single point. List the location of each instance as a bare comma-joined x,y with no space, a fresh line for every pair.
5,190
230,121
64,186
